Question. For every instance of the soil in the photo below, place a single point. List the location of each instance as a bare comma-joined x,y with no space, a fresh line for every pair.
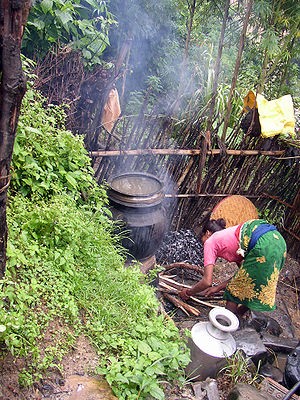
82,359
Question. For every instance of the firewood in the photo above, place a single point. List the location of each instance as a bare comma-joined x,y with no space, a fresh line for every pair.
182,305
183,265
204,303
171,282
172,290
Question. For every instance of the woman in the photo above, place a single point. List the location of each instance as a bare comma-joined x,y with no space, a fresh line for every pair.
258,249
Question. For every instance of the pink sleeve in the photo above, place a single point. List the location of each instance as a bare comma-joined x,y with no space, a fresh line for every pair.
210,252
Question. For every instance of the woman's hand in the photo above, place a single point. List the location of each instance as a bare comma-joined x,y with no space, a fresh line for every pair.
183,294
214,289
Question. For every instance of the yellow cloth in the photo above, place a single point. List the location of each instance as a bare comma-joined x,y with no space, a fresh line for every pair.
276,116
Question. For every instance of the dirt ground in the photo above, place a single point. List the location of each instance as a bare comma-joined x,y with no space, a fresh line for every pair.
83,358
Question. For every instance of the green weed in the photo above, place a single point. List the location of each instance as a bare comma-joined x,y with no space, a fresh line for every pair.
65,269
238,369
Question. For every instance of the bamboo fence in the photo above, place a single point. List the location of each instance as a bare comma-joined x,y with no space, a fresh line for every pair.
190,155
198,170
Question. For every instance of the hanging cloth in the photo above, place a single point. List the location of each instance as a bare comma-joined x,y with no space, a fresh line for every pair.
111,110
276,116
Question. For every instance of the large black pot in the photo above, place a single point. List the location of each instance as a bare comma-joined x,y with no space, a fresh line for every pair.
136,199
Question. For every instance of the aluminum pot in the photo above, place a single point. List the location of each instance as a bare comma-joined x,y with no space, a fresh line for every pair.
210,343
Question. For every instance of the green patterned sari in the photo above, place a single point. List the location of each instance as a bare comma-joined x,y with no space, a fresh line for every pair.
254,285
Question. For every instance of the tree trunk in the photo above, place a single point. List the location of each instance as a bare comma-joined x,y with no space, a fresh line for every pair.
218,66
189,24
237,67
13,17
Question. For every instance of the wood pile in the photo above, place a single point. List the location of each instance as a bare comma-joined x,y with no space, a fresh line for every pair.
177,276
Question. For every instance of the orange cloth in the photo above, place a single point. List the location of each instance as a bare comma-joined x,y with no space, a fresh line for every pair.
249,101
111,111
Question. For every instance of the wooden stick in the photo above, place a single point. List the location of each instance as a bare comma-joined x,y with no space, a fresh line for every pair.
169,291
182,305
174,291
202,160
183,265
187,195
279,201
204,303
178,288
182,152
172,282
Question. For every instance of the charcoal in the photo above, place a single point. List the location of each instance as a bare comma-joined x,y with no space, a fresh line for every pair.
180,246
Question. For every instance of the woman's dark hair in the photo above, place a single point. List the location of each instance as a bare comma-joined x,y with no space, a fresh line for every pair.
213,225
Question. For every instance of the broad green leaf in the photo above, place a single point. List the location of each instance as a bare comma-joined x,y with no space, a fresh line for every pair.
156,392
39,24
46,5
144,348
121,378
71,180
31,129
64,17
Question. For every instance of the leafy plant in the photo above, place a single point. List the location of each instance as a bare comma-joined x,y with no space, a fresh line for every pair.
238,369
81,24
65,269
47,159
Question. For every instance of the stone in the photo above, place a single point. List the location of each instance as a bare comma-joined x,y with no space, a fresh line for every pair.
264,323
87,388
278,344
271,371
242,391
249,341
207,390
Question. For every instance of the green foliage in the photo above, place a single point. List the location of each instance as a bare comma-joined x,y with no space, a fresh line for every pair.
81,24
48,160
238,369
271,48
65,270
151,350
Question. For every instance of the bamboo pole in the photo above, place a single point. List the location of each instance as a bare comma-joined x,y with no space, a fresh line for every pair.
182,152
202,160
218,66
187,195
